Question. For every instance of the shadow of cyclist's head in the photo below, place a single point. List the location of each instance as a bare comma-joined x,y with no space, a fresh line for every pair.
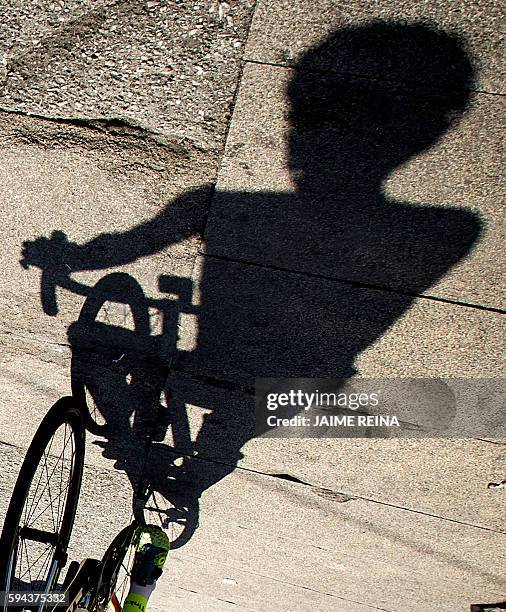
396,89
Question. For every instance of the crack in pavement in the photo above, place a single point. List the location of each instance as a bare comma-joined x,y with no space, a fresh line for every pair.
330,494
334,495
113,126
354,75
337,496
357,284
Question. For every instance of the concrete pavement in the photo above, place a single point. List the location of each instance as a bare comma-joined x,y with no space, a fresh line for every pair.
324,189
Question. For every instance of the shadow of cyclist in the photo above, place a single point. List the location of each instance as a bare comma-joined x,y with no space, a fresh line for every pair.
362,103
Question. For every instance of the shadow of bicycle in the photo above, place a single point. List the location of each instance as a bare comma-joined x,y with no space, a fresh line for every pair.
122,345
295,284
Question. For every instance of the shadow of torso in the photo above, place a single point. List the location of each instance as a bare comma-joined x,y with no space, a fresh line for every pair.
297,287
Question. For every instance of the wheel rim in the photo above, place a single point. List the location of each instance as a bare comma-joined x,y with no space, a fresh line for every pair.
36,554
117,568
125,571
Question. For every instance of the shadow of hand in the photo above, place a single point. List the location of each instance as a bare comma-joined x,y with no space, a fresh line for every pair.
45,253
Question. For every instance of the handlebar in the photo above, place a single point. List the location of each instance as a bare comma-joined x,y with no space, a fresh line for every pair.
49,258
49,254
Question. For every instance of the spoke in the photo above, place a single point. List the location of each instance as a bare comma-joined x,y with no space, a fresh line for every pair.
60,484
45,569
19,557
19,563
53,608
60,458
23,544
46,507
125,567
49,489
123,585
62,466
27,513
32,507
61,506
30,565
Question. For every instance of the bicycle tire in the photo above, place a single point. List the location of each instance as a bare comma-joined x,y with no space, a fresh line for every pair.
20,525
116,287
119,556
93,584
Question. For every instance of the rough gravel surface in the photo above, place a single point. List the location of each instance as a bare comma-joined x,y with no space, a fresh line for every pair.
171,66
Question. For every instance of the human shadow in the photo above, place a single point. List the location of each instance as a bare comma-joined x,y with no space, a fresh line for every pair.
299,284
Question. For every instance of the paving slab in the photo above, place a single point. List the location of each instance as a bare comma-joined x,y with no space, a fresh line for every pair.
254,322
282,32
320,552
134,190
171,66
238,531
409,204
33,376
441,477
115,194
317,553
444,477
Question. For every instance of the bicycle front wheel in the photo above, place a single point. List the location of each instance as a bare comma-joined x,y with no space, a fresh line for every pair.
41,513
